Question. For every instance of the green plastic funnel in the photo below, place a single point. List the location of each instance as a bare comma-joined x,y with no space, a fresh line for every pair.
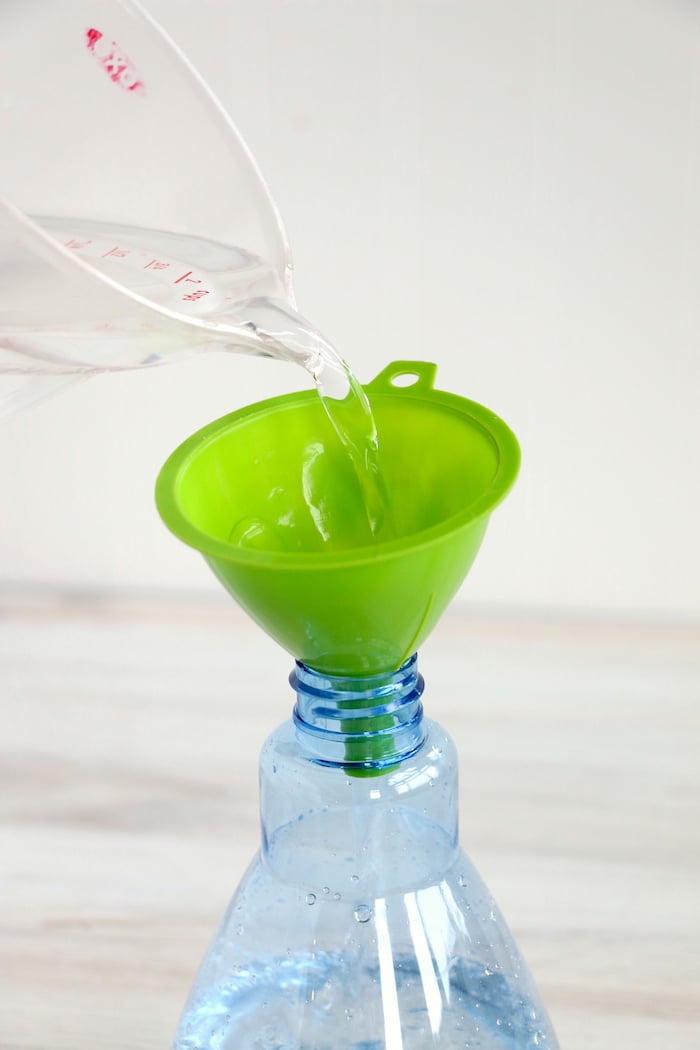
242,491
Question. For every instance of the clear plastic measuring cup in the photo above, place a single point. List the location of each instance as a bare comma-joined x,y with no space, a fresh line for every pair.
134,223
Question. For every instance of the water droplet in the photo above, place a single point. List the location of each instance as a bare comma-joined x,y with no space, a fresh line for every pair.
239,930
310,898
326,889
354,878
348,1015
487,972
462,880
336,896
492,916
499,1022
363,913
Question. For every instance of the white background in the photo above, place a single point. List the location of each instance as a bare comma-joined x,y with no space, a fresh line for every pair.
507,188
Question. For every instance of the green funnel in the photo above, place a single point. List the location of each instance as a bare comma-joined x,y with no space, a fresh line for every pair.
350,609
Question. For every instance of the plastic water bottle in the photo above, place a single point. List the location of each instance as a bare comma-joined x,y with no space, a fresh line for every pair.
361,924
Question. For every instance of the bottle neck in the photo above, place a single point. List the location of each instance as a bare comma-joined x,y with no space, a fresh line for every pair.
362,723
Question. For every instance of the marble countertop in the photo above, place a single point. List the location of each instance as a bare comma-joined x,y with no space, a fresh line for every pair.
131,729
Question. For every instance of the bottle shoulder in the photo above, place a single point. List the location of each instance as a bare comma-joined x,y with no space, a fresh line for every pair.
438,955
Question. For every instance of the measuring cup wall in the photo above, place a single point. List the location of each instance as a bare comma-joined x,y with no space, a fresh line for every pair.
118,245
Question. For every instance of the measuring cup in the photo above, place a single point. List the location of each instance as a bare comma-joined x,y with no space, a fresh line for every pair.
134,223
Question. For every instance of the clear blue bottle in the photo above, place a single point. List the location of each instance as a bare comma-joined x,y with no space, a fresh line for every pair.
360,924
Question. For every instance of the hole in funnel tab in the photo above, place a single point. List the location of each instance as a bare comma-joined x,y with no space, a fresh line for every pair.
405,379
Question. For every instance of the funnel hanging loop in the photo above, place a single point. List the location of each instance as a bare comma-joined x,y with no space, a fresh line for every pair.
411,376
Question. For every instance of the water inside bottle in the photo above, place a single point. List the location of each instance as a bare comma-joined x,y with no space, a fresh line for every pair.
260,1006
225,294
430,966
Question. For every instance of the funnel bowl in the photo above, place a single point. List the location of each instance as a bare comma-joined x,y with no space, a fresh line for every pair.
241,491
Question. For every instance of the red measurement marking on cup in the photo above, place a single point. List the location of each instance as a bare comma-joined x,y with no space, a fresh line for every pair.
192,297
118,66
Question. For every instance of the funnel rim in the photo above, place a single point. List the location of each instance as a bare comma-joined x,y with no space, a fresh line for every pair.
180,524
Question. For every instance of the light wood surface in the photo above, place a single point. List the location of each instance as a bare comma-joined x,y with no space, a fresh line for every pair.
128,809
